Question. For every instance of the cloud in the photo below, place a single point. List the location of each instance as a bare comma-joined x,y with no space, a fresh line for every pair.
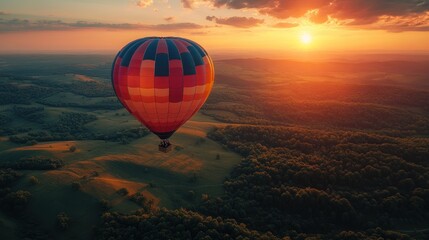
14,25
240,22
418,22
351,12
187,3
285,25
192,3
169,19
144,3
173,26
199,33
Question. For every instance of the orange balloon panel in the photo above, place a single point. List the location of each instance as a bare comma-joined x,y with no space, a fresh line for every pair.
162,82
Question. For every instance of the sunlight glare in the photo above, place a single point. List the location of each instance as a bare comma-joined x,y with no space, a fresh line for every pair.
305,38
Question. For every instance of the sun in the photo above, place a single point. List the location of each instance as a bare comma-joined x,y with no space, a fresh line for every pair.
305,38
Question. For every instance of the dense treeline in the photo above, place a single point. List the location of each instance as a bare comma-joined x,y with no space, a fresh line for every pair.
395,96
24,67
306,140
4,119
91,89
71,122
108,104
173,224
321,181
15,94
32,114
124,136
33,163
350,115
70,125
25,111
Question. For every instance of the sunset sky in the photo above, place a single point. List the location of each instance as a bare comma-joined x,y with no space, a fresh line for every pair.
258,27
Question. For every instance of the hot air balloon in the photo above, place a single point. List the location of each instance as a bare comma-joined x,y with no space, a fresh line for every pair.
163,82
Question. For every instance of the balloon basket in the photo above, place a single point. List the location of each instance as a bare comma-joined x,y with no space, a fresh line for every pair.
165,149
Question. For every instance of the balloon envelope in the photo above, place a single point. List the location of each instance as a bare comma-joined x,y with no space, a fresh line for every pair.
162,81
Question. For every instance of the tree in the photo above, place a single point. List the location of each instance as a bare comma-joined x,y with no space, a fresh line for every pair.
105,205
34,180
63,221
72,148
76,186
122,192
18,199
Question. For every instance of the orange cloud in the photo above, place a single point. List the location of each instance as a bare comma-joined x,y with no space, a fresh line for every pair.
349,12
187,3
144,3
190,3
13,25
418,22
240,22
169,19
285,25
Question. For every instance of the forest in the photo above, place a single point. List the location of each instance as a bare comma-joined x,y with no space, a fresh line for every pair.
324,179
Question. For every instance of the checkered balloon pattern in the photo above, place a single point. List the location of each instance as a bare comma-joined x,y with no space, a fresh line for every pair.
162,81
